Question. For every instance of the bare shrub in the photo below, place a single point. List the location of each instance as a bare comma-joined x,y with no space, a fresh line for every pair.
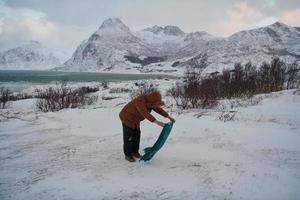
293,76
104,84
194,92
176,92
90,99
120,90
108,98
4,97
55,99
240,82
226,116
21,96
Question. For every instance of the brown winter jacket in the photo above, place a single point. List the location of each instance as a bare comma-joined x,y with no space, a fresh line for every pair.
140,108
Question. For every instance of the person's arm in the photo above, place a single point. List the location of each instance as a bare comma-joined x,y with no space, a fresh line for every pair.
142,109
163,113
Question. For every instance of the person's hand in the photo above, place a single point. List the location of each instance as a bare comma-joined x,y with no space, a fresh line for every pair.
159,123
171,119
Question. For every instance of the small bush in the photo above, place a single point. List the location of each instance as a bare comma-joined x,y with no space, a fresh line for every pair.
5,95
120,90
55,99
227,116
108,98
104,84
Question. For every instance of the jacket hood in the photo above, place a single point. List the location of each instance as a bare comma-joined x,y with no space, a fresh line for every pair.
154,99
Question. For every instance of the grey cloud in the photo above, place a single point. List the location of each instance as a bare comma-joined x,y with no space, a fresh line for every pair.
214,16
191,15
274,7
70,11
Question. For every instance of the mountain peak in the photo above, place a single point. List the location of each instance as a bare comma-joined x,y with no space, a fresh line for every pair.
167,30
280,28
154,29
278,24
173,30
113,23
199,35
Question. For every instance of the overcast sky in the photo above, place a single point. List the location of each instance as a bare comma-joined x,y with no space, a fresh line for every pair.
64,24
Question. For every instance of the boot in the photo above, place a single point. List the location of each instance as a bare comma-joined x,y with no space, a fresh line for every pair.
137,155
130,158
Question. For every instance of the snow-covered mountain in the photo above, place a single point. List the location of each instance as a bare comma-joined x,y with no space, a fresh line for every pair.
32,55
107,47
171,41
256,45
114,47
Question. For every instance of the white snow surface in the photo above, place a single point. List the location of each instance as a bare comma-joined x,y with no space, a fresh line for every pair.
77,153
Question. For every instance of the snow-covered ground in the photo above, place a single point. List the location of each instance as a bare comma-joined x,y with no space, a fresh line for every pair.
77,153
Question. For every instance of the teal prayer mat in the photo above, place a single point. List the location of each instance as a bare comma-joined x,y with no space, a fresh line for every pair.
151,151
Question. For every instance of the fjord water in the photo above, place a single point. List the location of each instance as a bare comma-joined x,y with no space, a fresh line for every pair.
50,76
18,80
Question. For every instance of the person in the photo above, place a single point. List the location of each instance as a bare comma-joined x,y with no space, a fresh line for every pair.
132,114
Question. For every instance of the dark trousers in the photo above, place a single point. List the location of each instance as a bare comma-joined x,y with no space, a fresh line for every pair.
131,139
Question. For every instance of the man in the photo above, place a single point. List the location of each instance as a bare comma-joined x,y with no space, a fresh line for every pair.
132,114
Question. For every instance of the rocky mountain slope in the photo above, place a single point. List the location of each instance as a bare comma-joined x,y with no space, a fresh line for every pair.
113,47
107,47
257,46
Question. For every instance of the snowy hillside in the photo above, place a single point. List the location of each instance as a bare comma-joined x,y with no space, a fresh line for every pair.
113,47
32,55
257,46
77,153
107,47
